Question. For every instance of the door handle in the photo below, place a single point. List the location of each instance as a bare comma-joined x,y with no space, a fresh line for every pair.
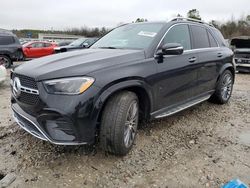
192,59
219,55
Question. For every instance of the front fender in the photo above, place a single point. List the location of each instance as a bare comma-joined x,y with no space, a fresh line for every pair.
106,92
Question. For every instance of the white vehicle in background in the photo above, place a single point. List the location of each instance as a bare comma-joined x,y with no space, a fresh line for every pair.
3,74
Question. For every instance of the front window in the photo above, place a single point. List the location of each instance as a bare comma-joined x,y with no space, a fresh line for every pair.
133,36
179,34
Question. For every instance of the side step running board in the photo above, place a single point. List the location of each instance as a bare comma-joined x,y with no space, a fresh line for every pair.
183,107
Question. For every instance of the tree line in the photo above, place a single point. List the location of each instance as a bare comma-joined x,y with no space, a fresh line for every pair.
231,28
83,31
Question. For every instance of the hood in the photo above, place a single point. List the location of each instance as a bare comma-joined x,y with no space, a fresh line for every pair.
242,50
77,63
241,42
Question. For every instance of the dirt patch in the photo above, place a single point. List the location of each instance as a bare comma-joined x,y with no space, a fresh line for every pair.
204,146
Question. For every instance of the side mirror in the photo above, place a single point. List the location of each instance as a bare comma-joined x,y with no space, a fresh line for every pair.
29,47
85,45
171,49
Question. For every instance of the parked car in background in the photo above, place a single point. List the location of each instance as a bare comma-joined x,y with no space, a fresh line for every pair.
3,74
38,49
137,71
241,46
10,48
64,43
78,44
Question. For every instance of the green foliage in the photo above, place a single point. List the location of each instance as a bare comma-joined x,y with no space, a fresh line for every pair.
248,18
229,29
234,28
179,15
194,13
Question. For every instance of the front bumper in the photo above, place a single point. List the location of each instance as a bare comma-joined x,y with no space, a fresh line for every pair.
55,134
242,64
59,119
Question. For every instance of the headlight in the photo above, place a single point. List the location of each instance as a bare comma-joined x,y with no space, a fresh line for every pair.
68,86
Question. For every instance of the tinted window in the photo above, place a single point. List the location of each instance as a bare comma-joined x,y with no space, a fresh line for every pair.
212,41
219,37
5,40
37,45
200,37
178,34
47,44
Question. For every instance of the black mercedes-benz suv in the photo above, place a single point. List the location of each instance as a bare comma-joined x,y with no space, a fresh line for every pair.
137,71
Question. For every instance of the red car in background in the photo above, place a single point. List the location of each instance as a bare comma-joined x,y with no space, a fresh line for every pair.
38,49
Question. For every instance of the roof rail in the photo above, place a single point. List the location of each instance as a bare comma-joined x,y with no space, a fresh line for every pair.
192,20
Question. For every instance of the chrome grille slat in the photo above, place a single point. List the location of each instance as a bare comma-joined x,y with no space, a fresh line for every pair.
29,91
26,81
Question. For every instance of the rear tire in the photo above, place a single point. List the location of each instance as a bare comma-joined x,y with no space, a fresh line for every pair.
119,123
6,61
224,88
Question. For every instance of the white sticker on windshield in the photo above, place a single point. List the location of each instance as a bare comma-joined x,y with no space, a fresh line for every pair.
147,34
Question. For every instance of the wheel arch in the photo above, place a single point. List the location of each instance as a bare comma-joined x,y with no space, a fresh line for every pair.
7,55
137,86
227,66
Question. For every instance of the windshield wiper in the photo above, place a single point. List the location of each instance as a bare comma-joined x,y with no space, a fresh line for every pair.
108,47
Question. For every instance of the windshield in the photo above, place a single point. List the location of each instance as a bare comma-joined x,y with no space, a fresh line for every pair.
77,42
133,36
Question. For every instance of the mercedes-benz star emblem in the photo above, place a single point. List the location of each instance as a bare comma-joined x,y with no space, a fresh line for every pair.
16,87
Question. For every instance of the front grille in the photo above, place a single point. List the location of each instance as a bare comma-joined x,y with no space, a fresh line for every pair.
242,55
27,98
26,81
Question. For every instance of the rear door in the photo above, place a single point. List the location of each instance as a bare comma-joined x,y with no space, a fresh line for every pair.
47,49
209,58
35,50
177,75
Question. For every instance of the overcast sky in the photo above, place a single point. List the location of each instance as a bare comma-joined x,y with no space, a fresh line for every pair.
62,14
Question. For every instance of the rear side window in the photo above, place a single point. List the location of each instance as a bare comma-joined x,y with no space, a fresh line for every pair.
37,45
6,40
200,37
219,37
212,41
47,44
179,34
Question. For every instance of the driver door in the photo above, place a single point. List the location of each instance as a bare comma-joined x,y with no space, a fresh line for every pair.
177,74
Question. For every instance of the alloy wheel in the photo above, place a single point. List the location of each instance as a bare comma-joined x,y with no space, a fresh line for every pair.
131,124
227,85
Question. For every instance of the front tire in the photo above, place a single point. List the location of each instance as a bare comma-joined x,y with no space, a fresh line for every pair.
119,123
224,88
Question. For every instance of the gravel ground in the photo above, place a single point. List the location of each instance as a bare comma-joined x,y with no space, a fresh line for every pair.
204,146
